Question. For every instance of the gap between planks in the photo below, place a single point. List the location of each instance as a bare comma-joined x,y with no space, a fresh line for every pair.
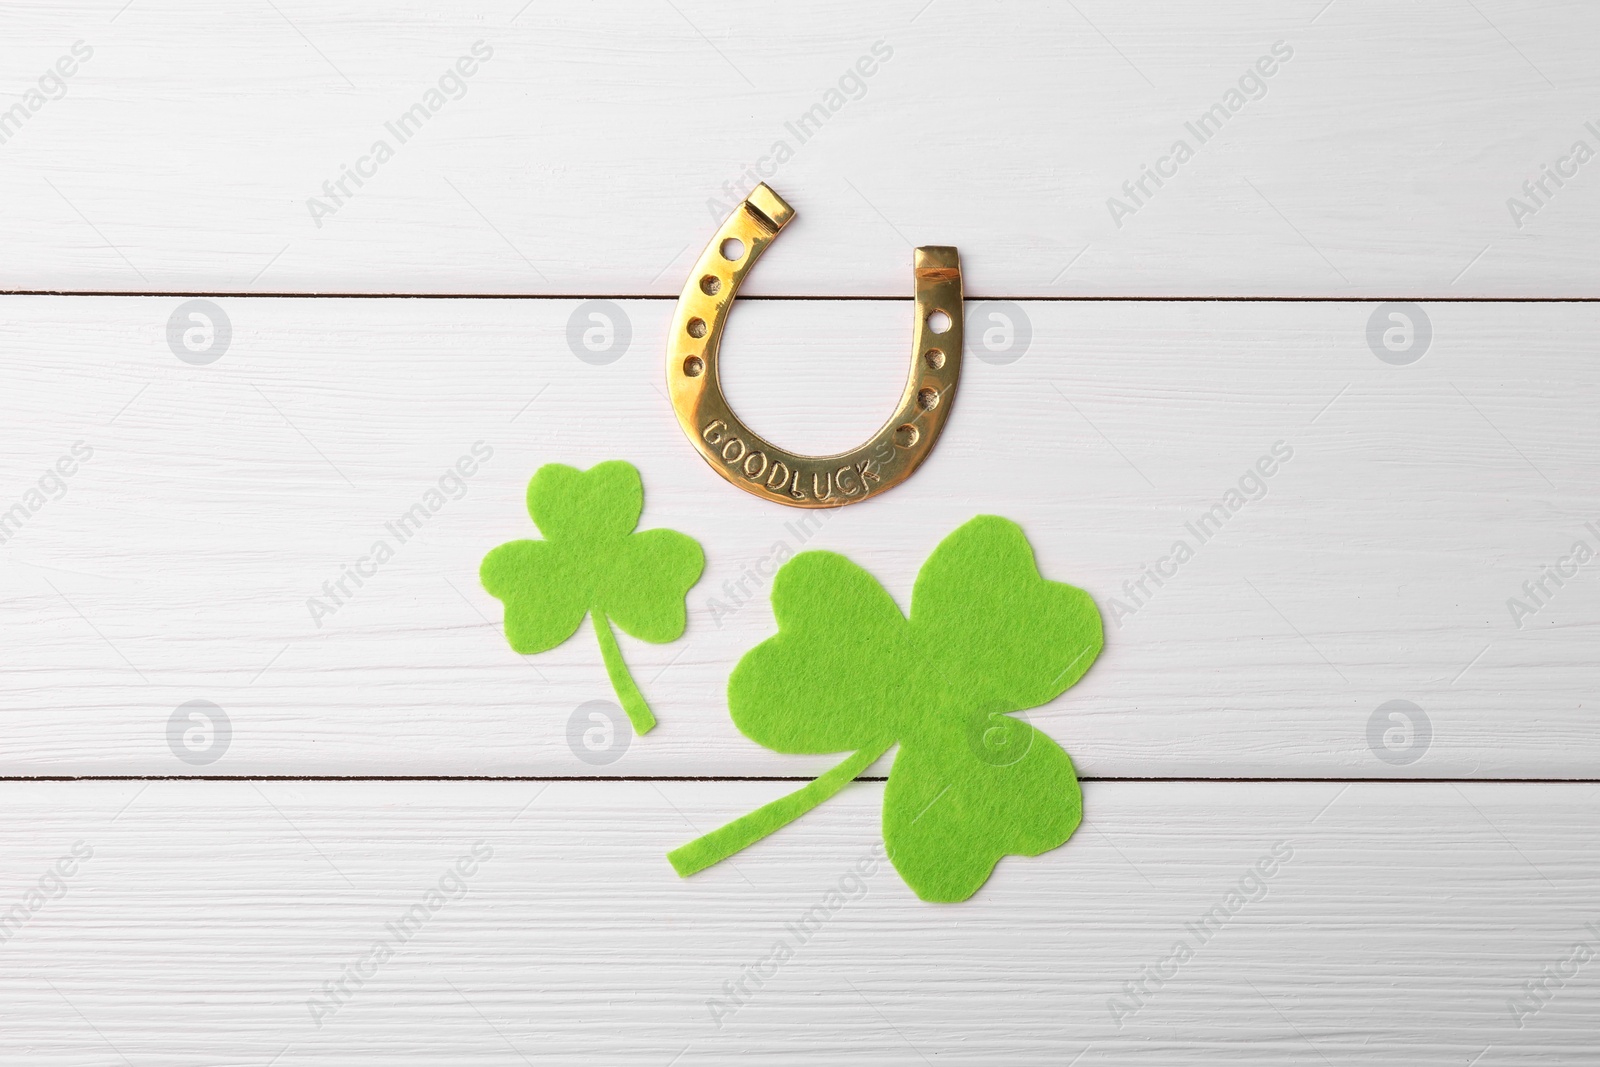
1190,779
970,298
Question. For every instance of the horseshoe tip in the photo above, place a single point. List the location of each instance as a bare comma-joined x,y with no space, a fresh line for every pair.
768,207
937,261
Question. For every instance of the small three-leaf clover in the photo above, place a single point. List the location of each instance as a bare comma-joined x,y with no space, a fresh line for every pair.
847,671
592,563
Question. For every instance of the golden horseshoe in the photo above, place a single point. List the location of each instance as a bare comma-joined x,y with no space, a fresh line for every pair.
754,464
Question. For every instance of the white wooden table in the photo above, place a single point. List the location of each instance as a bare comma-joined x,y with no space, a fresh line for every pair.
1340,679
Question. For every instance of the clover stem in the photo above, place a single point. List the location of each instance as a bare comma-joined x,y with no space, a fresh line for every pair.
632,700
746,830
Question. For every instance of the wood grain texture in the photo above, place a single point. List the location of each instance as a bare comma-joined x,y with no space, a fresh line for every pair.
164,526
182,559
1400,925
1379,159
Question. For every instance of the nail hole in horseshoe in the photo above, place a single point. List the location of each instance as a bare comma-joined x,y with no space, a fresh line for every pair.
928,399
906,435
693,366
938,321
732,250
711,285
933,358
697,327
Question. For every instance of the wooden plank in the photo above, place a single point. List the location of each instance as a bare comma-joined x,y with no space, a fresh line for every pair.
1387,923
1381,157
1376,563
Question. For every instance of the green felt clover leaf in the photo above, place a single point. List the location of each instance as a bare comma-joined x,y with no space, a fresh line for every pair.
592,563
987,637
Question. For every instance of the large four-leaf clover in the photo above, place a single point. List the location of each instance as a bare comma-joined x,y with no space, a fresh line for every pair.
591,562
987,636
